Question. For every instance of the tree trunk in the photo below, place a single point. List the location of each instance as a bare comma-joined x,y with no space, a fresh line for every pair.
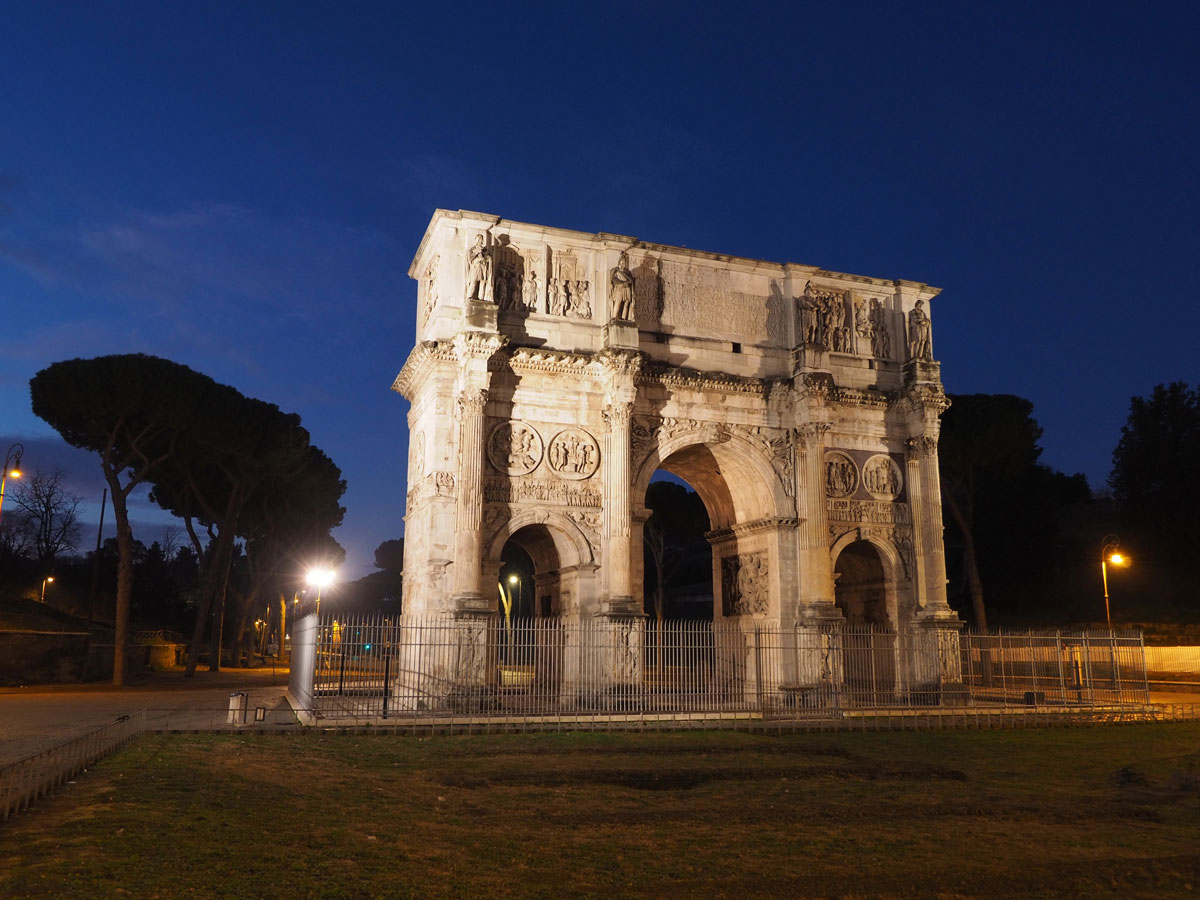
124,578
282,626
970,561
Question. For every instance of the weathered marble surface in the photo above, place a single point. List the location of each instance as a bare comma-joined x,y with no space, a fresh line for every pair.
556,370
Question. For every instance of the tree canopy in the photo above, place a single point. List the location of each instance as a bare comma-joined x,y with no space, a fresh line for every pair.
1002,508
132,409
234,465
1156,482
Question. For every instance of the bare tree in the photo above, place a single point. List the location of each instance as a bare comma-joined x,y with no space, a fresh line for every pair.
15,538
51,515
172,540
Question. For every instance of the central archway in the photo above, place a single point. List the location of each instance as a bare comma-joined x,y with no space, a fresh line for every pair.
748,511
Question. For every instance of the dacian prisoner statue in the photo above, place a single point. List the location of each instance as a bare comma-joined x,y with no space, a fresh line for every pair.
801,404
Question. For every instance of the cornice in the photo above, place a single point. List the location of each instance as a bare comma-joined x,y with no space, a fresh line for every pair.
424,357
694,379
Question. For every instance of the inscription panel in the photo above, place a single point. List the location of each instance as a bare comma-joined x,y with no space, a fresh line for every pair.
697,300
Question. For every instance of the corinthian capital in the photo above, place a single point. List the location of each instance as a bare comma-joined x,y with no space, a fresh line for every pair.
812,434
471,401
617,415
920,446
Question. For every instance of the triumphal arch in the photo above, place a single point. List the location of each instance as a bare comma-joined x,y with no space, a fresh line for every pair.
555,371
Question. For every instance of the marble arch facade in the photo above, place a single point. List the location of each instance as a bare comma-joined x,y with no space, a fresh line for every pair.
555,370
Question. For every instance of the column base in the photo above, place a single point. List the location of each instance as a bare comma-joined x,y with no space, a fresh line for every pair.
620,334
470,604
821,612
922,371
622,606
479,315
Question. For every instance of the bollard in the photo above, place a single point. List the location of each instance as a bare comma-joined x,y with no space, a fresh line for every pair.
237,708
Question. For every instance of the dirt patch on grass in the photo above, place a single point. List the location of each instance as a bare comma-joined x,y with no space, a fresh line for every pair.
671,778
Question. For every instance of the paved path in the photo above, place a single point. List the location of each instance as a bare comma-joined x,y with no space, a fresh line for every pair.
39,716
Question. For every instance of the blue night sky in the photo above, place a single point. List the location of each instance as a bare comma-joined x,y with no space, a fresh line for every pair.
240,187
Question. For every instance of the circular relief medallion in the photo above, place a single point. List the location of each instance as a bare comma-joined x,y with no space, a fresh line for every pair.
841,475
573,454
881,477
515,448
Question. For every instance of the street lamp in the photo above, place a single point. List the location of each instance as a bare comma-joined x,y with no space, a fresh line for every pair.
1110,554
319,578
49,579
12,466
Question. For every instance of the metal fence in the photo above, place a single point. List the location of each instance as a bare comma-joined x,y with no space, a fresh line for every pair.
375,669
25,781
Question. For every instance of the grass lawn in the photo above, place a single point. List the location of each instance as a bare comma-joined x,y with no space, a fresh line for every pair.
1084,812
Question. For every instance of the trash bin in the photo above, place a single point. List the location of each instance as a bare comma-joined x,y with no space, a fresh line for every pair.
237,708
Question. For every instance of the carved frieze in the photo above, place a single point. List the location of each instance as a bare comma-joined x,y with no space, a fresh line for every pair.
881,477
573,454
844,510
841,475
745,590
499,489
514,448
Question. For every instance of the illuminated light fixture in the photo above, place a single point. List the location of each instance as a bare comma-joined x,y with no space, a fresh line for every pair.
49,579
12,468
1109,554
320,578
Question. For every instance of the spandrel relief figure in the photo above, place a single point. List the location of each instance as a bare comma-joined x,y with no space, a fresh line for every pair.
622,290
479,272
920,345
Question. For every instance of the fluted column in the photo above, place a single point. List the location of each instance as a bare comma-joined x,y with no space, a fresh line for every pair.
618,515
925,496
816,574
620,371
468,548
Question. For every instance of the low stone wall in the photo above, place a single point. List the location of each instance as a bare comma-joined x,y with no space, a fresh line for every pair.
48,657
32,657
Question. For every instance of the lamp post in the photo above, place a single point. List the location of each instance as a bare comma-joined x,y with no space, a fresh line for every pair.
12,466
49,579
318,578
1110,554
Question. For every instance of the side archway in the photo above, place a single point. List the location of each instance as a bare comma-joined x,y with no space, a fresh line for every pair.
562,555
